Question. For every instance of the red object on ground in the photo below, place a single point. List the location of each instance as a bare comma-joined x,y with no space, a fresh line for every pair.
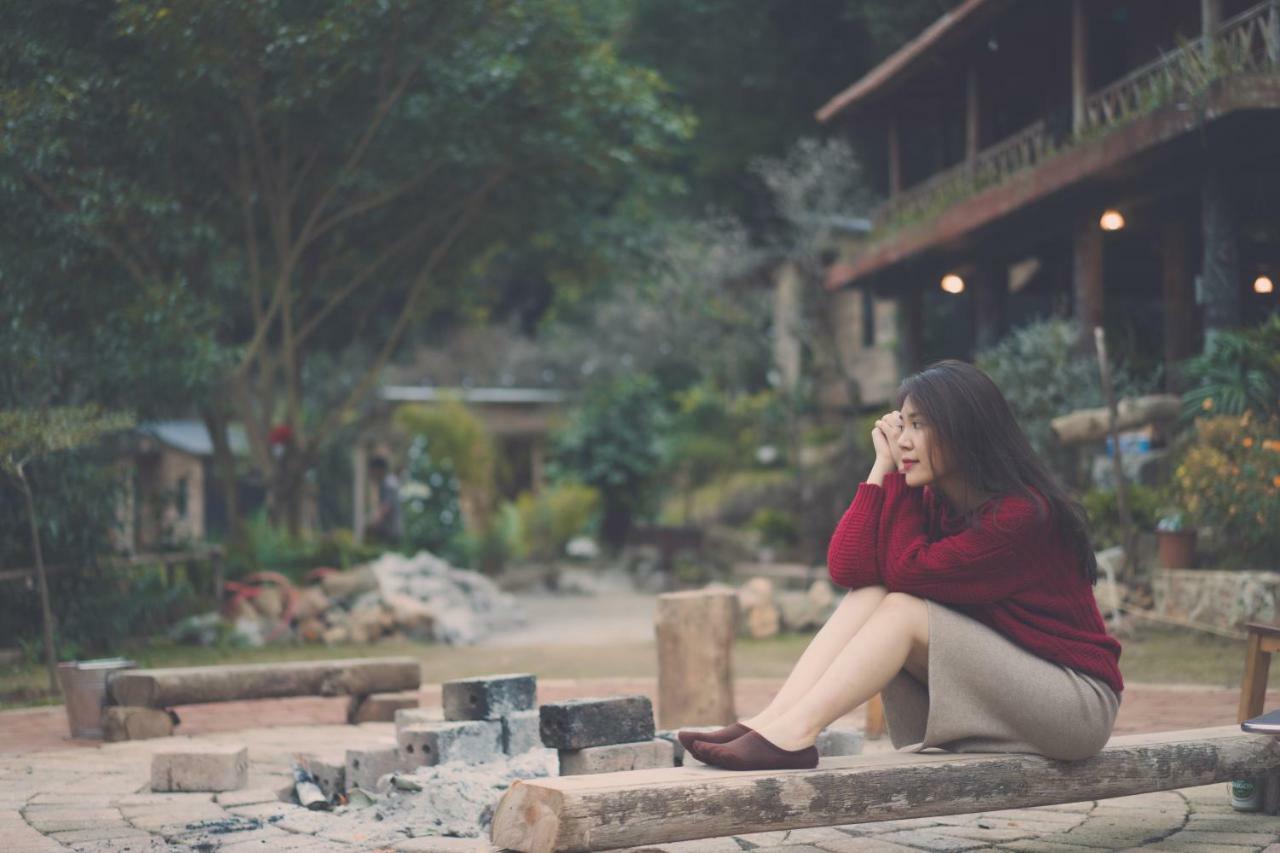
1014,572
249,588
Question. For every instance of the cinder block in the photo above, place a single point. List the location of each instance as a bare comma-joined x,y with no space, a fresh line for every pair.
406,717
364,767
470,741
134,722
379,707
328,768
580,723
839,741
617,756
200,767
520,732
489,697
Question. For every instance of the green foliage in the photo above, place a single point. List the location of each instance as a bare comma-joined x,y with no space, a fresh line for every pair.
273,548
776,526
452,436
1239,371
1228,478
429,503
1043,375
1145,506
498,542
553,516
27,434
612,442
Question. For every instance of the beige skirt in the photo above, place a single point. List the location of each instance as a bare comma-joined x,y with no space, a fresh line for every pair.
987,694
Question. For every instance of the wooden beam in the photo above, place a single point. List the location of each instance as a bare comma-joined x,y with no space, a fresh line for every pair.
191,685
641,807
911,323
972,115
1086,270
1079,63
1178,284
1091,424
895,158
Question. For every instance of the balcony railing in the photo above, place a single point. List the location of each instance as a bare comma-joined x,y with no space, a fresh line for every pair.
1246,44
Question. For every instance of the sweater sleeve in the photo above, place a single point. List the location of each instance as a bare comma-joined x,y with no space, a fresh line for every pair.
851,555
974,566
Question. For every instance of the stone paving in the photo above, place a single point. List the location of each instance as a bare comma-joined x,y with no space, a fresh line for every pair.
95,798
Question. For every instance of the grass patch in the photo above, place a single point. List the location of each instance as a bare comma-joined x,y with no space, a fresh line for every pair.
1156,654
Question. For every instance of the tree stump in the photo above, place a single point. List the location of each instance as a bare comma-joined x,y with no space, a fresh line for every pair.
695,632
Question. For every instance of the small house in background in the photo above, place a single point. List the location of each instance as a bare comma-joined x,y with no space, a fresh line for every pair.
171,494
1109,160
518,419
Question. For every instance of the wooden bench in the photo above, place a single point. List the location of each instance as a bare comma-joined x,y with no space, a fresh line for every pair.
639,807
163,688
1263,642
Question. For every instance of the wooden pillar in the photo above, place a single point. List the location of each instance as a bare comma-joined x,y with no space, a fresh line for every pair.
972,116
1220,273
911,322
895,158
990,292
1179,297
695,631
359,480
1079,64
1086,271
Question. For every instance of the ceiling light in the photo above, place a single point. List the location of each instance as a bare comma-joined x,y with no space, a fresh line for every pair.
952,283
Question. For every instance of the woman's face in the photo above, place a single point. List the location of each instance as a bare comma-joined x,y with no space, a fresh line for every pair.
920,465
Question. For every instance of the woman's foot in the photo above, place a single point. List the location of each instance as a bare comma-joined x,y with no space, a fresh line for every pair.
724,735
753,751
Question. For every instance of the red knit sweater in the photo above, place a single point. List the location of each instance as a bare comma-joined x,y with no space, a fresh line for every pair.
1013,572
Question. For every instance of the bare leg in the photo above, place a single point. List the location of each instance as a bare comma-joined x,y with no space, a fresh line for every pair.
895,636
849,616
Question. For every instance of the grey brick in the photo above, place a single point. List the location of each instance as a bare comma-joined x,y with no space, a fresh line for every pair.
615,757
520,732
471,741
580,723
489,697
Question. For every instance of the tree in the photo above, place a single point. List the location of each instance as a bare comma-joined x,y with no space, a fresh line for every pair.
315,173
27,435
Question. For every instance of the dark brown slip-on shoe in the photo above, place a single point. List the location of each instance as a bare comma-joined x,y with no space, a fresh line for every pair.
723,735
753,752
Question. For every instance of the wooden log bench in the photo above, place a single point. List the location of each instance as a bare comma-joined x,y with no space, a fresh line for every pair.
639,807
143,690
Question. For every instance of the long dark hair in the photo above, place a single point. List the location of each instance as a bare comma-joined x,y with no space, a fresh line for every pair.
973,429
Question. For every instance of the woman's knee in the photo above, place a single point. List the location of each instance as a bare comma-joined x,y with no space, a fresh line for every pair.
910,611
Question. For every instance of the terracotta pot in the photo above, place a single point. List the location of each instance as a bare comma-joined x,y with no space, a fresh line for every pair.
1177,548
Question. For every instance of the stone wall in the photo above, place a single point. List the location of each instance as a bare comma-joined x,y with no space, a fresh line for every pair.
1218,599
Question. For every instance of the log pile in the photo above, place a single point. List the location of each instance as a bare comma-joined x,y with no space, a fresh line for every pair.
395,597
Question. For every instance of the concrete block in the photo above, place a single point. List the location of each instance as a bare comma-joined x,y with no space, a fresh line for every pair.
520,732
470,741
200,767
618,756
328,768
580,723
489,697
417,716
135,722
379,707
364,767
839,741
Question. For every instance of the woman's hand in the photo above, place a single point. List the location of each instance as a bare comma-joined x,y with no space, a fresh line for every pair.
884,458
890,428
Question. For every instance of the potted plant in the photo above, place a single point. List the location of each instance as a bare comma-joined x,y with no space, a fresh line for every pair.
1176,539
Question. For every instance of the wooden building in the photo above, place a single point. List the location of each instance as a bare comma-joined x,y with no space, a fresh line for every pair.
1112,160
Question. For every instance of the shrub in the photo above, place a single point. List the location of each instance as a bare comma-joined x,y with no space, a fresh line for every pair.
1238,372
498,541
457,437
1043,375
1145,504
776,526
550,518
1228,478
430,503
